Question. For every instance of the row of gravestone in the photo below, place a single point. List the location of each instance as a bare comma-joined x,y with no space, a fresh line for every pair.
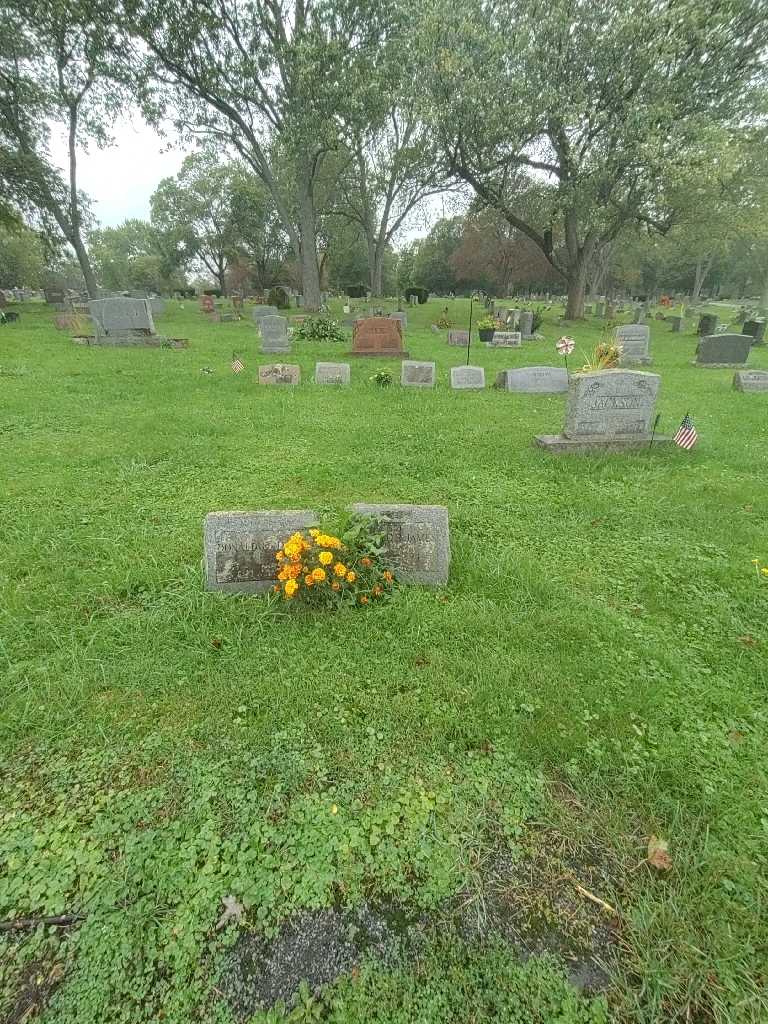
714,350
240,547
414,374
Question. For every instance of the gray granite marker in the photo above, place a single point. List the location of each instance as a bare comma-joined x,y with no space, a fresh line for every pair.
506,339
332,373
467,378
280,373
417,540
633,340
723,350
414,374
751,380
458,338
274,334
534,380
240,547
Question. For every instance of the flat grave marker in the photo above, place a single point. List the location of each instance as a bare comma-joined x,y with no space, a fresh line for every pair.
417,540
240,547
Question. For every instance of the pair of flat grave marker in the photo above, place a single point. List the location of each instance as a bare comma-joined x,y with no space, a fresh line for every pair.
534,380
240,547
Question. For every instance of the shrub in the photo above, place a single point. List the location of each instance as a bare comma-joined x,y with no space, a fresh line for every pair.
383,378
278,297
318,328
323,570
421,293
357,291
215,292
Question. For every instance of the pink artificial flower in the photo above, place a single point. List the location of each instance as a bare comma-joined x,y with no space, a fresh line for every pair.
565,346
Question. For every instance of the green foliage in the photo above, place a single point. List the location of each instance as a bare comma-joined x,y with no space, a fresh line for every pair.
357,291
278,297
382,378
137,255
319,329
421,293
22,259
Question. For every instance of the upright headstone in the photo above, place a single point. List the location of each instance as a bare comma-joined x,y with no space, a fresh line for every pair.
756,330
526,323
723,350
280,373
207,304
599,308
55,297
274,334
467,378
505,339
415,374
458,338
378,336
633,340
534,380
122,317
416,540
678,324
608,410
413,300
157,305
402,318
258,312
707,325
332,373
751,380
240,547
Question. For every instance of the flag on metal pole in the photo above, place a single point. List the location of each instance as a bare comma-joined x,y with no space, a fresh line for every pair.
686,436
237,365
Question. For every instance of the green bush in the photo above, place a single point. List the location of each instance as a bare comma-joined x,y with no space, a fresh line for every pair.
319,328
278,297
357,291
421,293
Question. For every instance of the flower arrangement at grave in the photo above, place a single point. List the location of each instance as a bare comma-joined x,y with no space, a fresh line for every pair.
382,378
444,322
487,325
319,328
605,356
323,570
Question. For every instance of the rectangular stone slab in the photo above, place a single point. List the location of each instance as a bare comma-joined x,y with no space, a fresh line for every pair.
280,373
506,339
611,404
332,373
534,380
458,338
261,311
122,315
525,322
467,378
559,445
415,374
417,540
274,334
751,380
634,341
377,336
240,547
723,350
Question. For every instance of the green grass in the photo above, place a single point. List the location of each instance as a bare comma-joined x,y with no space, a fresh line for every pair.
164,747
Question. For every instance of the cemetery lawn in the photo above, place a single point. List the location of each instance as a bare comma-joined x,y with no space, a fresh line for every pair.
494,755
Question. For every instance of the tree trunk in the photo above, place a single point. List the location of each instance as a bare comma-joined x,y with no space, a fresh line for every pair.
764,300
74,235
702,269
310,271
85,265
577,286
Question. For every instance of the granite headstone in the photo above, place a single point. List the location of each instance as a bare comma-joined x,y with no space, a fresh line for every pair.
332,373
240,547
280,373
415,374
534,380
416,540
723,350
274,334
467,378
751,380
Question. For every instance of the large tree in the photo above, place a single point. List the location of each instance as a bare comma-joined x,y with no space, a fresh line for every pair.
603,103
271,78
136,254
52,74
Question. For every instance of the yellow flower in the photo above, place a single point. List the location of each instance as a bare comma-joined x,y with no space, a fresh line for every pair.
377,591
363,599
318,575
291,587
351,577
764,572
280,556
325,557
340,569
309,581
334,809
388,577
314,533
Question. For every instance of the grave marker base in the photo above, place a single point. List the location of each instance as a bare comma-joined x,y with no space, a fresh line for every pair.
557,444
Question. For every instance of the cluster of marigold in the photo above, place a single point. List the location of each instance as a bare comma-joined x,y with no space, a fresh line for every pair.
319,561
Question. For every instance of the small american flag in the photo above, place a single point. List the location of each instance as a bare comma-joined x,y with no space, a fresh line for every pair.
237,365
686,436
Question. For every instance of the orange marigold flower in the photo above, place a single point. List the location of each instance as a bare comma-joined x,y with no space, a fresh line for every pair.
351,577
388,577
340,569
318,575
366,562
363,599
309,581
280,556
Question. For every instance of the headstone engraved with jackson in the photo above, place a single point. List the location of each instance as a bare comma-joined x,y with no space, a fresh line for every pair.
506,339
633,340
467,378
608,410
415,374
416,539
536,380
723,350
751,380
458,338
332,373
274,334
240,547
378,336
280,373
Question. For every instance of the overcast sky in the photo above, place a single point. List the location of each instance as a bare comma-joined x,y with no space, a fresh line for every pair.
120,179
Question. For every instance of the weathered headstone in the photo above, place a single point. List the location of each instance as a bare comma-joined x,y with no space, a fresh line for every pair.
707,325
240,547
723,350
678,324
157,306
55,297
534,380
415,374
402,318
467,378
633,340
599,308
506,339
588,310
280,373
756,329
608,410
274,334
751,380
122,317
332,373
458,338
416,539
378,336
258,312
413,300
526,323
207,304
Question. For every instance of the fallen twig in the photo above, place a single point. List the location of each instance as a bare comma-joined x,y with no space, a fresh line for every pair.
596,899
23,923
